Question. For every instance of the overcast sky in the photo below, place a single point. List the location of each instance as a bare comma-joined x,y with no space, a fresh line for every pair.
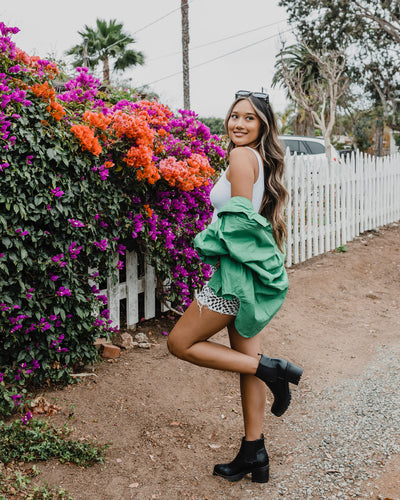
49,27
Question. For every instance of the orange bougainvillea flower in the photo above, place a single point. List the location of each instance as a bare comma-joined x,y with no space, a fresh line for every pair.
108,164
97,119
47,93
148,210
87,138
56,110
186,175
44,91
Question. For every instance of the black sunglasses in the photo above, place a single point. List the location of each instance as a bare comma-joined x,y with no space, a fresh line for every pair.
247,93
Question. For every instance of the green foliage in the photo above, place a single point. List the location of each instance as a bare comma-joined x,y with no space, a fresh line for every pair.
79,184
107,40
114,94
16,482
42,441
34,228
369,32
216,125
342,249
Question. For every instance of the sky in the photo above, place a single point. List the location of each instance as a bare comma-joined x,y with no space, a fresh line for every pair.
233,43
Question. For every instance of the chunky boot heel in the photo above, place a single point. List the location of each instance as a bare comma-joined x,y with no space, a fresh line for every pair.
277,373
251,459
294,373
260,475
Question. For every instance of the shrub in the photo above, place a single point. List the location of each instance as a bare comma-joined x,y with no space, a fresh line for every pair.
81,180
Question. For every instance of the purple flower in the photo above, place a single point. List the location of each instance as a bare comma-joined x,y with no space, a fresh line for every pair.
53,277
102,244
58,257
16,398
120,264
57,192
74,250
121,249
25,419
28,159
1,377
102,298
76,223
63,291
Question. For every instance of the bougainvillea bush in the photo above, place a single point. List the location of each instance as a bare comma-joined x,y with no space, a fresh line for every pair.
81,181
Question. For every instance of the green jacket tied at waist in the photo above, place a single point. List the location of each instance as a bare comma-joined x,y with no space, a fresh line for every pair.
251,264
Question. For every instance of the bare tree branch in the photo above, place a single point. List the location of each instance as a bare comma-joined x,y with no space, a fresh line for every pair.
319,99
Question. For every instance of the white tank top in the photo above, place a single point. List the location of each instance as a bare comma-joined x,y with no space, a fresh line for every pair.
221,192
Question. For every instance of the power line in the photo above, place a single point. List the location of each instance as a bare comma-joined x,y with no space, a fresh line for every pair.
221,56
219,40
140,29
160,18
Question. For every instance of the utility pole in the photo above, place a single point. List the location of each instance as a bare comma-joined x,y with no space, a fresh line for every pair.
185,53
85,58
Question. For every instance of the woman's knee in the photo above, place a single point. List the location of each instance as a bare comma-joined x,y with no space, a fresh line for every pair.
175,347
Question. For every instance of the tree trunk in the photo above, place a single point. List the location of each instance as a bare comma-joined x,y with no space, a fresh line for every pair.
106,70
185,53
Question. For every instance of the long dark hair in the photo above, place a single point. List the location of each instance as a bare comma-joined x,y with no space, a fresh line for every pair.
271,152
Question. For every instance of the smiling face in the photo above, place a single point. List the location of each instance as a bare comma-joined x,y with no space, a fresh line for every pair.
244,124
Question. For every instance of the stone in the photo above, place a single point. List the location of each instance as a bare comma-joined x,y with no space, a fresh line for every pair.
141,337
111,351
144,345
123,340
100,343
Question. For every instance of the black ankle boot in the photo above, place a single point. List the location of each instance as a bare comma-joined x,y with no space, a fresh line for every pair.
277,373
252,458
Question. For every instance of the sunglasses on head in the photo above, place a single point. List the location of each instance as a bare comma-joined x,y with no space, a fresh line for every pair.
247,93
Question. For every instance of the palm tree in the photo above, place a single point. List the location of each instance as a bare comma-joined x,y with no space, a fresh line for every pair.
297,59
107,41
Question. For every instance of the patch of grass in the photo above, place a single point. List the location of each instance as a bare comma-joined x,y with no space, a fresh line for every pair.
341,249
16,484
41,441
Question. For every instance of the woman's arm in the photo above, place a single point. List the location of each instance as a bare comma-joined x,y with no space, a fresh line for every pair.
242,172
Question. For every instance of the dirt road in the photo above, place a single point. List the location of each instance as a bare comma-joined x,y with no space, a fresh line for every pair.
170,422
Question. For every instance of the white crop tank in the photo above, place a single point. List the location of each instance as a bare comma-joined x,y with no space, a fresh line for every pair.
221,192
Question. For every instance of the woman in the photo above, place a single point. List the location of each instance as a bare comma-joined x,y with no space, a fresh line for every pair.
245,243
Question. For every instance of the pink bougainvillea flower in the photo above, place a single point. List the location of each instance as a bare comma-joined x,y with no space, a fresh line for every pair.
57,192
25,419
63,291
76,223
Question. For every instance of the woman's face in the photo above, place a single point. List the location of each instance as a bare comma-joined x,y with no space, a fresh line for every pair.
244,124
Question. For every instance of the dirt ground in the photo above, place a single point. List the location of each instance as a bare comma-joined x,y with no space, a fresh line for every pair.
169,422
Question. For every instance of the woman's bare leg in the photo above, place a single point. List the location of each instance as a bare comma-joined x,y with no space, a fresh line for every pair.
189,341
252,389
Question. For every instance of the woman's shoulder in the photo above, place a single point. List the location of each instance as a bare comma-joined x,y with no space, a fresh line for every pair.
242,152
241,161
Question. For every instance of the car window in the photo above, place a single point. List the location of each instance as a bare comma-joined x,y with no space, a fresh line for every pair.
296,146
316,147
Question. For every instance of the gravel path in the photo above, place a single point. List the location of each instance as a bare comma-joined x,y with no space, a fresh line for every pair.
354,432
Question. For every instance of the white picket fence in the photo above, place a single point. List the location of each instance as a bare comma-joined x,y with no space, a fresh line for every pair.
328,207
